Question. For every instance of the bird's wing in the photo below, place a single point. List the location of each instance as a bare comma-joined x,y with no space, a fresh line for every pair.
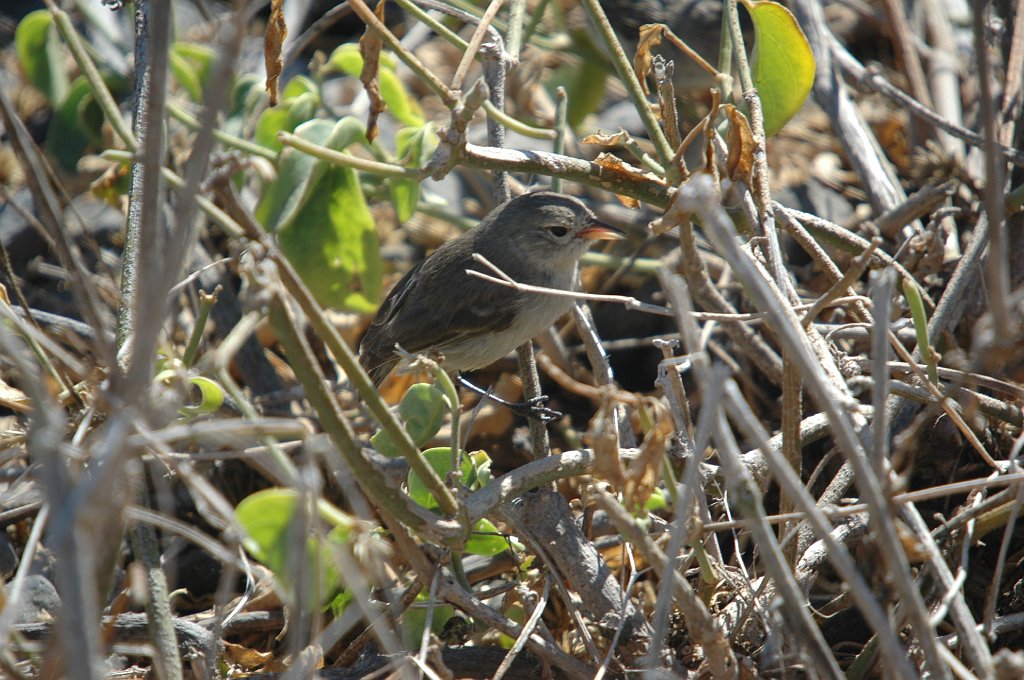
469,307
418,319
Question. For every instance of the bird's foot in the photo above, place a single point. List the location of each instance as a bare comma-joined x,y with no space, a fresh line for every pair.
534,408
531,408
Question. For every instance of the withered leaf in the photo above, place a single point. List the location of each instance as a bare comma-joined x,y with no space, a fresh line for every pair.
273,41
650,37
628,172
740,142
370,46
604,139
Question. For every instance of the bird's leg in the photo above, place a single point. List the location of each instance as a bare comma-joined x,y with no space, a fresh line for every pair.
531,408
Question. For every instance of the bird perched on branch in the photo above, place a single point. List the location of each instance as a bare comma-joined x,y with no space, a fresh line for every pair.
537,239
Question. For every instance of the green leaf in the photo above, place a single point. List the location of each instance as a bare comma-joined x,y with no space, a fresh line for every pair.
322,220
414,147
285,117
656,501
422,410
298,86
211,397
481,475
76,125
439,458
585,87
267,518
920,316
403,108
323,224
782,63
347,59
486,540
190,64
414,620
41,55
282,197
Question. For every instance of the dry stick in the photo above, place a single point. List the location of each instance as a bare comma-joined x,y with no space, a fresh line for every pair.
144,246
992,594
77,623
845,283
835,235
474,43
514,34
997,273
449,97
792,395
696,442
528,628
881,302
906,48
646,189
700,197
943,73
543,520
701,624
744,493
451,591
705,293
936,492
842,480
881,299
543,649
970,637
143,205
874,81
922,202
837,553
862,148
603,375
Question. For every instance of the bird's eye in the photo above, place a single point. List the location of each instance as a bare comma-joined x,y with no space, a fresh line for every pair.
558,232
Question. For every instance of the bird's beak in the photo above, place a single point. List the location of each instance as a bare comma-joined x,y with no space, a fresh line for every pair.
599,231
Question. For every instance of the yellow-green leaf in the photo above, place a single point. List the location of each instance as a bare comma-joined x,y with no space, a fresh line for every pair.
422,410
211,397
486,540
322,221
190,64
782,63
401,106
414,146
40,54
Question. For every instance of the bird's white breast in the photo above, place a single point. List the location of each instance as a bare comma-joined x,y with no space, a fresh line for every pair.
535,314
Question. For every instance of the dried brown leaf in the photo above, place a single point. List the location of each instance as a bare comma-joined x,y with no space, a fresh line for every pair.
248,659
13,398
604,139
650,37
740,142
273,41
626,171
607,462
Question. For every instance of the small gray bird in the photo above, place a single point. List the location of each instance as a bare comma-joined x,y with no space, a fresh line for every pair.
537,239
